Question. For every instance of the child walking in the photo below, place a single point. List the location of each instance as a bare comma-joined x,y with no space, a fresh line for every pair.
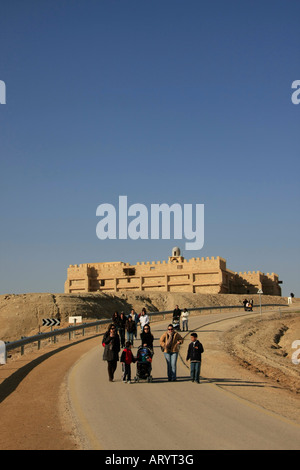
126,359
194,352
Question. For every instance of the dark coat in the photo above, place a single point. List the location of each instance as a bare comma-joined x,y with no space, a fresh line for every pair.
176,314
122,321
147,338
116,320
194,351
131,326
111,347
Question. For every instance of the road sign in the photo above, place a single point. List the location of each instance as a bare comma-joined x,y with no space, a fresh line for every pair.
77,319
2,353
260,291
51,322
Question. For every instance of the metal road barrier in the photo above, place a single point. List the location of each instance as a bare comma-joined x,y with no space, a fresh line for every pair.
5,347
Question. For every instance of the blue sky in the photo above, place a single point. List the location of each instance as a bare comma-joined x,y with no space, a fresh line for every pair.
163,101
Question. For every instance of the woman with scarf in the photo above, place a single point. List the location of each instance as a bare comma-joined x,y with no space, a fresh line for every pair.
147,337
111,343
170,342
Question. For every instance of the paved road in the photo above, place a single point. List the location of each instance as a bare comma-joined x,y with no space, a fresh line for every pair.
164,415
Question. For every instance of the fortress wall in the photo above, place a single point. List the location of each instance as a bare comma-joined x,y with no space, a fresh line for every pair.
251,282
77,280
270,284
199,275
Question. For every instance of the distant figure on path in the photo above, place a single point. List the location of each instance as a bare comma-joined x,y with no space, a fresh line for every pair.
184,319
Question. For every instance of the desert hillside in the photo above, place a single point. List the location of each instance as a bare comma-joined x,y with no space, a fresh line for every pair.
22,314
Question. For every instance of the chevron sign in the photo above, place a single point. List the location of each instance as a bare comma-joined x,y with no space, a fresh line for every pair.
51,322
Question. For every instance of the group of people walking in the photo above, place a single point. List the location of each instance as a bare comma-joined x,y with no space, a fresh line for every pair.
128,325
170,342
114,340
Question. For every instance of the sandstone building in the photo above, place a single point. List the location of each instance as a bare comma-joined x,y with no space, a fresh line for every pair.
200,275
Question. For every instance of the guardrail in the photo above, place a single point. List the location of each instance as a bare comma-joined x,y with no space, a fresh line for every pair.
38,338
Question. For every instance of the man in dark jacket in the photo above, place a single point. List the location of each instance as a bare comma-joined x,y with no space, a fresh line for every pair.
194,353
176,313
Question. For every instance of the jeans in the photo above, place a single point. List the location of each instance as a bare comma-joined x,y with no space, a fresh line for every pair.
184,325
171,359
195,371
126,372
130,337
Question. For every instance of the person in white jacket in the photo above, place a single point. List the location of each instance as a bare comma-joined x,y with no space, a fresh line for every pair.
184,319
144,319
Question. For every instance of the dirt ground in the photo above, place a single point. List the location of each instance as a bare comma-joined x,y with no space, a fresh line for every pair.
265,346
34,409
33,406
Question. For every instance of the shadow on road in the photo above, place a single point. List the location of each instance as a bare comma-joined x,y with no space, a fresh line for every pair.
10,384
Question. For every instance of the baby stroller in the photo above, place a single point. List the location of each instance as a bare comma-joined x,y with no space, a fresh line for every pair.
144,364
176,323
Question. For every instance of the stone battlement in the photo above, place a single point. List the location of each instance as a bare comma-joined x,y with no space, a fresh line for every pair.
146,263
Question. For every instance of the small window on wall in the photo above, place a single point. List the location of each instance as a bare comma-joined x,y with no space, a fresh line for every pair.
129,271
102,283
